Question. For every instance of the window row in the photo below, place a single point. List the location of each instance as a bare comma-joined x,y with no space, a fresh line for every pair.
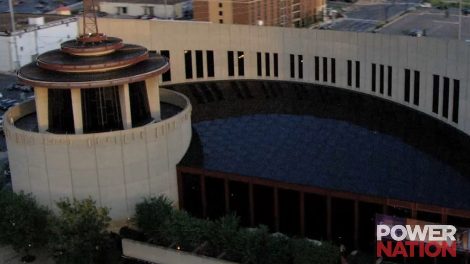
324,65
239,61
381,80
356,71
415,87
445,92
300,66
199,57
267,64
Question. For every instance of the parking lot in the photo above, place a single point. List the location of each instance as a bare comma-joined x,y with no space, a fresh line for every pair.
6,81
34,6
433,22
367,16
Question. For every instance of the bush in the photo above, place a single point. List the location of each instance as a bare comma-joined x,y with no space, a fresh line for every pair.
78,233
167,226
152,214
306,251
23,223
185,231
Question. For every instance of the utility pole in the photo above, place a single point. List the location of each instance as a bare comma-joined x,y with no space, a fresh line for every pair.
166,11
12,16
460,20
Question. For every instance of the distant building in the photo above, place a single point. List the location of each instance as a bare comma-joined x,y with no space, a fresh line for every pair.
34,34
287,13
170,9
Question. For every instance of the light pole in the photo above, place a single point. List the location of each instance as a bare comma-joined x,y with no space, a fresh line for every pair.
460,19
12,16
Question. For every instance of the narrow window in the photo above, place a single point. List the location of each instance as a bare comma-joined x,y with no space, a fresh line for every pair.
407,85
325,69
382,81
435,93
199,64
358,74
210,63
267,64
188,62
445,99
455,110
301,66
166,77
241,63
333,70
292,66
317,68
389,81
258,61
349,72
416,88
373,77
230,60
276,66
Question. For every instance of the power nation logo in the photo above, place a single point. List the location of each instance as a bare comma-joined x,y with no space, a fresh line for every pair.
416,241
410,238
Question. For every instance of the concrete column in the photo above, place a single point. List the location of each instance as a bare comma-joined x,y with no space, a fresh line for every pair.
42,108
125,106
153,95
77,110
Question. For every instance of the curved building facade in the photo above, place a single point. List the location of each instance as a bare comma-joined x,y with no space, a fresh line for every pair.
424,76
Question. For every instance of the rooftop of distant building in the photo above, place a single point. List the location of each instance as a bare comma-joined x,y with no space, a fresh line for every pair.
22,23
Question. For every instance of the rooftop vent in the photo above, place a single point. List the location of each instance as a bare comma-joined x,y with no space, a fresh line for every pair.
38,21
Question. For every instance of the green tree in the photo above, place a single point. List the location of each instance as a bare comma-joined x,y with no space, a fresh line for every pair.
78,232
23,223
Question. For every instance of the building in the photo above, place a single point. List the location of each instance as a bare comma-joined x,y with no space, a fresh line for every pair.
99,125
34,35
165,9
310,132
286,13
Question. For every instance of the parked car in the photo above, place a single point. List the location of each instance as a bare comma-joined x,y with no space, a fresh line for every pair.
17,86
7,103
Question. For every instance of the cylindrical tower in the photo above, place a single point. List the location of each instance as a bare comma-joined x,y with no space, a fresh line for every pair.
96,127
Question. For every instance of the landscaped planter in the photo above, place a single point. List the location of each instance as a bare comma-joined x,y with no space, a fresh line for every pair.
162,255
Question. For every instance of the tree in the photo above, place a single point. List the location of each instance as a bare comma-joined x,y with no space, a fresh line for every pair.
23,223
78,233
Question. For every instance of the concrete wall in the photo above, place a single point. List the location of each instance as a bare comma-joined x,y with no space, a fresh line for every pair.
116,168
30,43
155,254
444,57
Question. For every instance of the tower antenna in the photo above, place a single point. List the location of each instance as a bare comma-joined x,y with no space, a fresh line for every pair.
90,24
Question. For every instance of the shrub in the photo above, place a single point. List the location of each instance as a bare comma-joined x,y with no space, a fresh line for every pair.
78,233
306,251
23,223
152,214
167,226
185,231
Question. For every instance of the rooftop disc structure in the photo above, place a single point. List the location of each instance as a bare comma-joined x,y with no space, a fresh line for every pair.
95,83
